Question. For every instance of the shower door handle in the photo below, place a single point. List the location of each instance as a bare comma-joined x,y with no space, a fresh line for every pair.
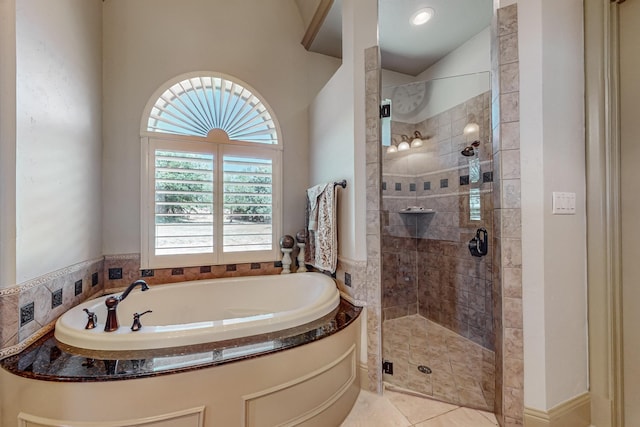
479,245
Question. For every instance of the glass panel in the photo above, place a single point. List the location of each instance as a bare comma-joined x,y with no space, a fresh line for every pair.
247,204
475,208
474,170
429,289
183,202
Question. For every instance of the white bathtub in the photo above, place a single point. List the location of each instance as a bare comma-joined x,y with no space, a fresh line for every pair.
203,311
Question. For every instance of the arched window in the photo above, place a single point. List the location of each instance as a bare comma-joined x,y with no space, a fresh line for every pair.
211,176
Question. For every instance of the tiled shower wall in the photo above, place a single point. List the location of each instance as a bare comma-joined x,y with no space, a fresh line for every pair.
29,310
427,267
507,254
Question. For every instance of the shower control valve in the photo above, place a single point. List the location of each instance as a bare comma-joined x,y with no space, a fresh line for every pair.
479,245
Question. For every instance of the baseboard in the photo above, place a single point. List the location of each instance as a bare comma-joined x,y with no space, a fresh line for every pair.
575,412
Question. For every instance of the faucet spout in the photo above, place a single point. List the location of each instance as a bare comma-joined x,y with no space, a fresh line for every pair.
143,287
113,301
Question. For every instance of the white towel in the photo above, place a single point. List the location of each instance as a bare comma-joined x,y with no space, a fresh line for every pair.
323,227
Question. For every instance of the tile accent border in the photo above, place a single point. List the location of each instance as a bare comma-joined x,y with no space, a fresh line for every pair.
43,299
575,412
47,277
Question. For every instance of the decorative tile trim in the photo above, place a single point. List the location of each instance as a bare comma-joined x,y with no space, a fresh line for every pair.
56,298
122,256
352,300
77,287
48,277
27,313
10,351
115,273
95,279
10,291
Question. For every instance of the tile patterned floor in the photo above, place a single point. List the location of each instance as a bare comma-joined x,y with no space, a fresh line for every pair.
463,372
402,410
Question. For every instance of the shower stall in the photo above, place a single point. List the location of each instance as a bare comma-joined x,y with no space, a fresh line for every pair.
437,221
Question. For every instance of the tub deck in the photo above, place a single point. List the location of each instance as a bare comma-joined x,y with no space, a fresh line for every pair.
49,360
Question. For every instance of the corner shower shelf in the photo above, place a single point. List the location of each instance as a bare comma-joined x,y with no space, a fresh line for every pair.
416,210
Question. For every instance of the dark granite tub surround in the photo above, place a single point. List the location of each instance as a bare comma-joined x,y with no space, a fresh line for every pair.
49,360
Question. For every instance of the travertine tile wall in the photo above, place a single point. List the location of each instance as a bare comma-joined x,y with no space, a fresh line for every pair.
29,310
427,267
507,255
373,171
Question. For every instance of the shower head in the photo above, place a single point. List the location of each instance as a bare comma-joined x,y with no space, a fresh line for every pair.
469,150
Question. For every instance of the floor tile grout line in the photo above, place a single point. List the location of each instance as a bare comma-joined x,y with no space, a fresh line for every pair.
452,343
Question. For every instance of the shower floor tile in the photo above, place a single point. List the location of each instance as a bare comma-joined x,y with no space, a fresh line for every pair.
462,372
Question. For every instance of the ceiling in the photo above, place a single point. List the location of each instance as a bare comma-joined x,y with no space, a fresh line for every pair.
405,48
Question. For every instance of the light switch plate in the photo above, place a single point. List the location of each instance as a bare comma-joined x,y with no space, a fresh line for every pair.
564,203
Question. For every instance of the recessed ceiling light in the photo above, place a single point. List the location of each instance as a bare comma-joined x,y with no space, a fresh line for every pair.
422,16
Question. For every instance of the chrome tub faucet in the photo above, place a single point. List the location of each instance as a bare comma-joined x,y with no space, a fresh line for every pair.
113,301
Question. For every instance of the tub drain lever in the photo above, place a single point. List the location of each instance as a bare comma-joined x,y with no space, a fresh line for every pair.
136,320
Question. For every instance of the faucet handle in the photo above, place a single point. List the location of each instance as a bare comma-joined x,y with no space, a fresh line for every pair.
92,319
136,320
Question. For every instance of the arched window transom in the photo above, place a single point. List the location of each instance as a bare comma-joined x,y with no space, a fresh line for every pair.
200,105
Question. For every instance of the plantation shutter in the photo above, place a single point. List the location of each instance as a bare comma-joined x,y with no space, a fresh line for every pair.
184,194
248,204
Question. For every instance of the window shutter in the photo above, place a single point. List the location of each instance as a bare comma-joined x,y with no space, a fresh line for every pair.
248,204
184,194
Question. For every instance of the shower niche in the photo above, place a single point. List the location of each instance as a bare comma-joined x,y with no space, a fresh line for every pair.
437,298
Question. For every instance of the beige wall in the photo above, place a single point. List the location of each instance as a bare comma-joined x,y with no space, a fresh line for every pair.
553,159
7,143
58,134
148,42
338,127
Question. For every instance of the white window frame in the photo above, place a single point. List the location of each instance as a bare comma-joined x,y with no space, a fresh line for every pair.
219,147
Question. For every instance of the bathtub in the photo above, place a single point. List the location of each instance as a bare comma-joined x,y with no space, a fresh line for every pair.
203,311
